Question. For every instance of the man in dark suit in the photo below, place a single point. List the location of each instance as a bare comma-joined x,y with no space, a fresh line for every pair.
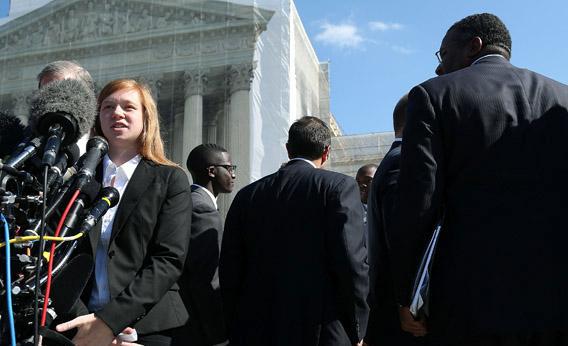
364,177
384,323
213,173
484,146
292,266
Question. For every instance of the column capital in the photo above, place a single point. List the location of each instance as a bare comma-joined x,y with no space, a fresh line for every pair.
21,102
195,82
239,77
154,82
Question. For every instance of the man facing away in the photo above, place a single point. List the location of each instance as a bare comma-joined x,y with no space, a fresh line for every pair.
213,173
384,323
292,266
485,151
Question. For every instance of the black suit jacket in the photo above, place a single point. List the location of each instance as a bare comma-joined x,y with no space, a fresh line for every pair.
147,250
292,265
486,146
383,318
384,323
200,282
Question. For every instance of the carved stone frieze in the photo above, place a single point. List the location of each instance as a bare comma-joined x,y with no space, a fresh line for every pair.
188,49
91,20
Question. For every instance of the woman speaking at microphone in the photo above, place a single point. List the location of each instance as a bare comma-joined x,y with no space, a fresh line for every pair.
140,245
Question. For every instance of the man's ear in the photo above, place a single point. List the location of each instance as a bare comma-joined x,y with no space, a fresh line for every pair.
211,172
325,154
475,46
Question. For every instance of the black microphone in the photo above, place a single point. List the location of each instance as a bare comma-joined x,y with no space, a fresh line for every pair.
29,150
63,111
97,147
11,133
84,200
67,158
109,197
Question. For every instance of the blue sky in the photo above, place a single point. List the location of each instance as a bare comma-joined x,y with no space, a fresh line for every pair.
4,7
380,49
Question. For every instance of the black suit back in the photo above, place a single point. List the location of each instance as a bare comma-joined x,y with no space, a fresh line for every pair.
485,146
292,262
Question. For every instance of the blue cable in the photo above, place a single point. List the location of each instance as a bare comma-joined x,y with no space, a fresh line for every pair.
9,281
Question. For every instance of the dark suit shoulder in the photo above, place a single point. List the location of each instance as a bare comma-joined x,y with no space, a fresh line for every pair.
299,173
334,181
392,158
201,201
321,175
173,176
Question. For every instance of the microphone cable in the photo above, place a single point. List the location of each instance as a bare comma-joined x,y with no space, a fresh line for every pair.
9,283
52,256
29,238
40,256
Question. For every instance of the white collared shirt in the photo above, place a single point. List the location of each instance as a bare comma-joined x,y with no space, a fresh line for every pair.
302,159
118,177
213,198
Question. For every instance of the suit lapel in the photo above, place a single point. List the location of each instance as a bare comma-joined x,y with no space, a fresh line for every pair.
137,186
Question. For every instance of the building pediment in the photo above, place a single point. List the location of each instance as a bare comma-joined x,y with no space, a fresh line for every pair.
62,24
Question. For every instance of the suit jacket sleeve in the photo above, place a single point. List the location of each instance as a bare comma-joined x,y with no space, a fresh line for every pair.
165,259
232,262
382,199
203,281
380,215
421,188
346,255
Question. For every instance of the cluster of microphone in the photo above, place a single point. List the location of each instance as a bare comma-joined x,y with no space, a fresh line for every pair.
47,191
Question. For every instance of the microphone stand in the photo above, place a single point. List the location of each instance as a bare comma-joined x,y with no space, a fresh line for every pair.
40,257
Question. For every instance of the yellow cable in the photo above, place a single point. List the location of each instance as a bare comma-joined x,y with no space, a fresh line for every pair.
26,239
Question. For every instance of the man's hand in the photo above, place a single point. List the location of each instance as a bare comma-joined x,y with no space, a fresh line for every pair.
360,343
409,324
90,331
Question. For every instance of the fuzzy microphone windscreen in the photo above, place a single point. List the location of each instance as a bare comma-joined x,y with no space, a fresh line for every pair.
70,103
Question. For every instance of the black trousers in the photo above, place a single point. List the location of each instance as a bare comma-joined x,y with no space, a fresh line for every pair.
549,338
163,338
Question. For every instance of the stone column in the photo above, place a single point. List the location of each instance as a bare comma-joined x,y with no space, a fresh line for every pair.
210,127
195,84
238,126
177,138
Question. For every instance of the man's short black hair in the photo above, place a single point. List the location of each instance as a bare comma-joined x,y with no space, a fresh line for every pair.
492,31
203,156
399,115
368,167
307,138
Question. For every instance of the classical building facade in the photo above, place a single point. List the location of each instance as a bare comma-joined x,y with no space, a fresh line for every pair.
236,74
